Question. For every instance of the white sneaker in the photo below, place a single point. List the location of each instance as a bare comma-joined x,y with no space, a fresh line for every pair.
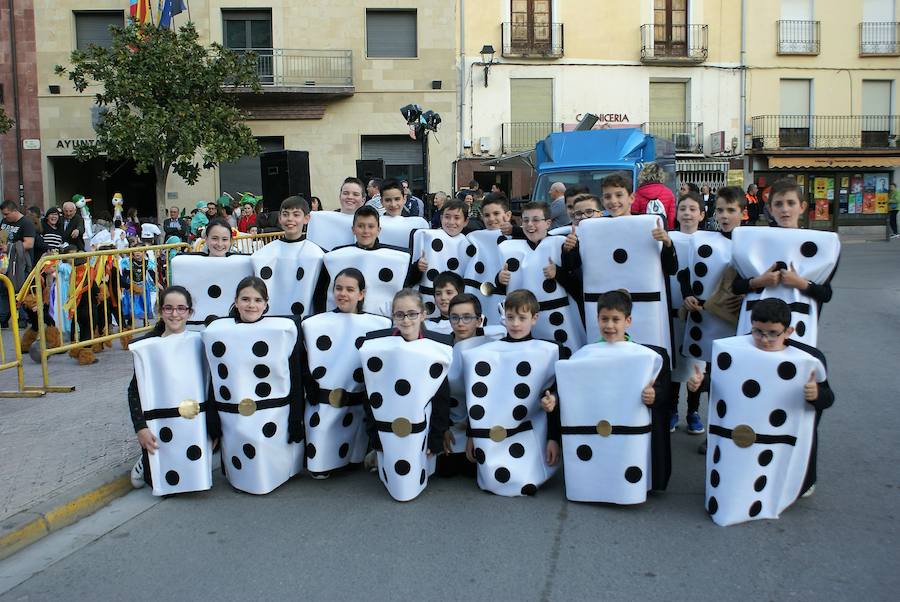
809,492
319,476
370,462
895,235
137,474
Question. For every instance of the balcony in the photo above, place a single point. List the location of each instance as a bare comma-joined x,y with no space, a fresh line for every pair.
686,135
662,43
797,37
532,40
879,39
521,136
778,132
308,71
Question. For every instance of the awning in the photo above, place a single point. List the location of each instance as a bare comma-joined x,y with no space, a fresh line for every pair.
832,162
682,165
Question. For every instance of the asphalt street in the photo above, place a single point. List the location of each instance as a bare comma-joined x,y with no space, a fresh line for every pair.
344,538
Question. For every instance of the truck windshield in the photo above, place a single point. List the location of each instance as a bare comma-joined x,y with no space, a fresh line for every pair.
589,178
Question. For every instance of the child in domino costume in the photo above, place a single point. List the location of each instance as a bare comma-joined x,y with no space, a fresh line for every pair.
290,269
397,231
330,229
813,254
256,383
481,270
408,394
171,379
442,252
761,429
211,281
385,269
708,256
505,381
682,366
606,428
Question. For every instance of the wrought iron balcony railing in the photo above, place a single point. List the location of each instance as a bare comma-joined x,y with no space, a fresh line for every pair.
532,40
284,67
521,136
879,39
663,43
687,135
797,37
825,131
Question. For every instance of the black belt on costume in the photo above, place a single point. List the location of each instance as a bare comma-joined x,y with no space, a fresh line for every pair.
499,433
715,429
247,404
167,412
553,304
340,398
472,283
597,429
426,290
635,297
400,426
796,307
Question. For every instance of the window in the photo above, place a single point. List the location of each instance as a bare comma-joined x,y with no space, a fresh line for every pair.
878,31
243,175
794,122
391,34
876,111
530,25
669,116
93,27
670,27
244,30
531,113
797,32
402,158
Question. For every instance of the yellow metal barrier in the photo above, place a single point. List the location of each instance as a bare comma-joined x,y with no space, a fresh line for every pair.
16,343
98,275
244,243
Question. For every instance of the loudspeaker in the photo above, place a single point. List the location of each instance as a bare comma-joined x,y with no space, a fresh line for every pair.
284,173
366,169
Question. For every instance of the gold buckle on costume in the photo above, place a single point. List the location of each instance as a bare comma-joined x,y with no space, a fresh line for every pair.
401,427
189,409
337,397
604,428
497,434
743,435
247,407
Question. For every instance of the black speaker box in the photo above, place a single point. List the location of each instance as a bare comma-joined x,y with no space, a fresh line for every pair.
284,173
366,169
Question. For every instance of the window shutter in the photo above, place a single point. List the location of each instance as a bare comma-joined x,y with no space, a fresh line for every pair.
393,150
391,34
93,28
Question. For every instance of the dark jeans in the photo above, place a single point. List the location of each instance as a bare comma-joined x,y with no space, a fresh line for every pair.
892,216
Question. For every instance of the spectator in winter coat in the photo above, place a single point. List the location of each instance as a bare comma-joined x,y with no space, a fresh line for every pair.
651,188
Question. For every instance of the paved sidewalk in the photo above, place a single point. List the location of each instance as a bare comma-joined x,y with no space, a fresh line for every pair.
51,446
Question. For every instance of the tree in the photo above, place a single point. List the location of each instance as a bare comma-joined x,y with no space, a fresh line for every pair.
165,102
5,122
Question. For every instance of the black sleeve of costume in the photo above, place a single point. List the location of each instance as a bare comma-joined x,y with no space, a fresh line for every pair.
295,415
554,424
213,422
740,286
440,417
320,294
566,275
310,386
684,282
821,293
669,260
826,396
517,233
660,414
134,405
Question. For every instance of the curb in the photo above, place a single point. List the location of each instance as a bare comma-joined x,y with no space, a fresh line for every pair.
27,527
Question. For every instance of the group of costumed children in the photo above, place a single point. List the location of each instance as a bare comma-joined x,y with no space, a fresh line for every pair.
505,353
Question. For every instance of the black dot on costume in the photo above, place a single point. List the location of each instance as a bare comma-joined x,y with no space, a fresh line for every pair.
471,250
721,408
193,453
714,477
697,317
529,489
520,412
385,274
422,477
696,333
348,419
375,400
263,390
214,292
549,285
209,319
700,269
165,434
454,403
801,328
172,478
343,450
717,455
297,308
724,361
261,371
516,450
556,318
479,267
479,390
453,263
697,287
704,251
780,265
374,364
358,375
712,506
318,373
482,368
633,474
224,393
300,273
502,475
402,387
310,450
236,462
218,349
265,273
755,508
323,343
249,451
584,452
522,391
809,248
435,370
560,336
750,388
314,420
260,348
429,308
620,255
777,417
476,412
787,370
512,264
479,455
360,341
523,368
223,371
401,467
695,350
269,429
765,457
760,483
432,274
437,244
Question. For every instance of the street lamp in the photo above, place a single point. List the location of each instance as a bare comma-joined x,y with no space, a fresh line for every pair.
421,122
487,59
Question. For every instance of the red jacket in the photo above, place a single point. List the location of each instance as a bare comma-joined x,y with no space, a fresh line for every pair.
244,223
655,190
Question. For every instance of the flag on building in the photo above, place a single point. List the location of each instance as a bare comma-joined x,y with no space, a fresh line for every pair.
139,11
167,10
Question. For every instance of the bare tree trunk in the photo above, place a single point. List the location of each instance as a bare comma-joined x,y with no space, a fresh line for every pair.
162,174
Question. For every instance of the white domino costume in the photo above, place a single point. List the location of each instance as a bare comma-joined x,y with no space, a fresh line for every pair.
482,268
443,253
384,268
290,269
212,282
330,229
397,230
708,256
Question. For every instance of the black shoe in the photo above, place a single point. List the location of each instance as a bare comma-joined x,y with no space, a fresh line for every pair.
702,449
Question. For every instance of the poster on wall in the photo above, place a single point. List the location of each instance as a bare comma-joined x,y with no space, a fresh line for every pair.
881,193
868,193
843,195
823,194
856,190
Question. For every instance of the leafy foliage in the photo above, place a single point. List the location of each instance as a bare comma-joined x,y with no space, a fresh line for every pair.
5,122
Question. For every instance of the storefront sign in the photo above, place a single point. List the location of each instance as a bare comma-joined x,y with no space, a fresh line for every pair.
31,144
72,143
